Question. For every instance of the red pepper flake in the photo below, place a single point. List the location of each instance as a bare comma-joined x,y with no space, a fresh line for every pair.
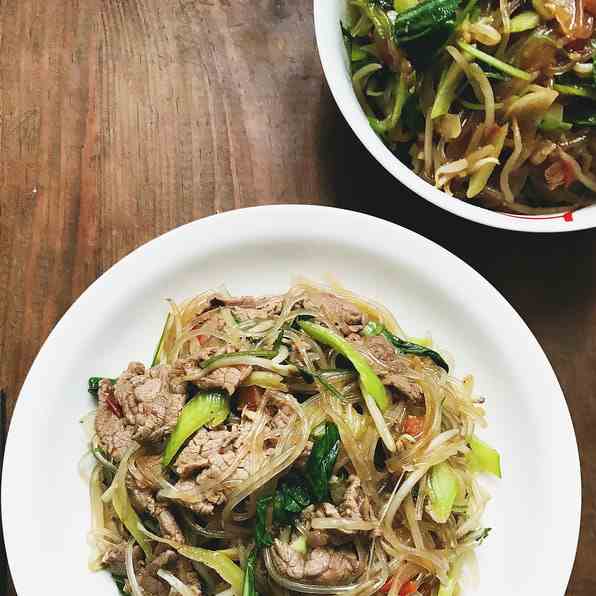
114,407
568,216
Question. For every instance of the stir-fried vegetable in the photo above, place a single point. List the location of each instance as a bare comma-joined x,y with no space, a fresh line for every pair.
123,507
369,381
319,466
443,489
206,408
303,457
480,77
483,458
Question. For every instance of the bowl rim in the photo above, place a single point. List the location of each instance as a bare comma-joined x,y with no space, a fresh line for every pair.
561,222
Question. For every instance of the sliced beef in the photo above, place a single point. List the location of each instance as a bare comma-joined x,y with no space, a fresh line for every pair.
342,314
151,399
354,506
204,450
143,499
227,377
324,566
391,367
113,431
216,461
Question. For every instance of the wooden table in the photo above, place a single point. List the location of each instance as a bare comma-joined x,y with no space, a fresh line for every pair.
121,119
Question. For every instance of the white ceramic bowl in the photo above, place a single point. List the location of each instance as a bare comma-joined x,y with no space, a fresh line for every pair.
336,67
535,509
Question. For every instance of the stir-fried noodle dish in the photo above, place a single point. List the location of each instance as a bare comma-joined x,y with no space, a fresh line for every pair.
290,444
491,101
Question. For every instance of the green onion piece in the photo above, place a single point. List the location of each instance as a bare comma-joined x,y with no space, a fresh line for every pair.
369,381
400,94
553,119
443,488
157,353
210,407
401,5
495,62
357,54
248,585
524,21
220,563
447,90
299,544
268,354
479,178
483,458
576,90
265,379
123,507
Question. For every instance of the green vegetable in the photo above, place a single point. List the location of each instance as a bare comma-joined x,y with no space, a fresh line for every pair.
93,384
412,116
262,536
220,563
159,346
575,90
483,458
447,90
319,466
479,178
494,62
401,5
443,488
124,510
248,585
400,95
288,502
405,347
268,354
424,20
120,582
207,407
369,381
299,544
524,21
553,119
425,28
357,54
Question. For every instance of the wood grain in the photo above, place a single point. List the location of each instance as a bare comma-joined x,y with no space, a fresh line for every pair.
122,119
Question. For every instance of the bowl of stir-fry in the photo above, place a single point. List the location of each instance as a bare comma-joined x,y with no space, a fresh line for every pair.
485,108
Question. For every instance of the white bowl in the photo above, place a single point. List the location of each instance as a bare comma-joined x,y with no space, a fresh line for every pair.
535,508
328,14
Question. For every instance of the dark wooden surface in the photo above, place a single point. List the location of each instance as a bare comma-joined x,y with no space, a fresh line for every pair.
121,119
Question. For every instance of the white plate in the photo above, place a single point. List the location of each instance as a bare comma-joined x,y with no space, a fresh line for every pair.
535,510
337,72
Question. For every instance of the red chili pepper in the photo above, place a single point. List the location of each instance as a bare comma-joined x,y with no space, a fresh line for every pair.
114,407
414,425
408,588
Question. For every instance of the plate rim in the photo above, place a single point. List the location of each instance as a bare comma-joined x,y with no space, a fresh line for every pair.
404,175
15,549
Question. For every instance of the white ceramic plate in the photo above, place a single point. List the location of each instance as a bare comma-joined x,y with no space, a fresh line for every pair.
535,510
336,67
